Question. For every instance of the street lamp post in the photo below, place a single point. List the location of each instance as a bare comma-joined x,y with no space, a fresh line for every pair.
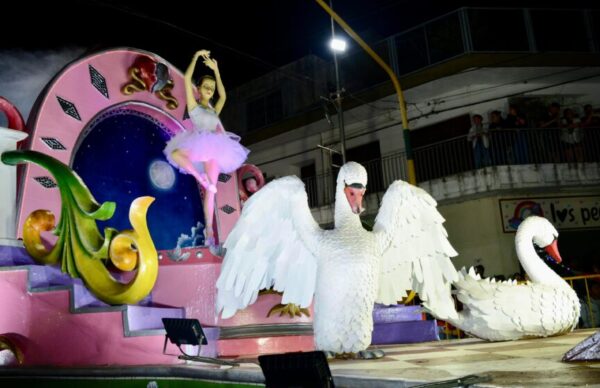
338,45
412,178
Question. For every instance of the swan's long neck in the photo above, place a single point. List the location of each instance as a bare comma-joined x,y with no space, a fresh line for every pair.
536,269
344,217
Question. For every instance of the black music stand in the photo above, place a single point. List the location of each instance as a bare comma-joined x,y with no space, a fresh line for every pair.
181,331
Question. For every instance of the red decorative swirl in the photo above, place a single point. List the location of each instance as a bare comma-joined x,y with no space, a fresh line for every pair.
15,120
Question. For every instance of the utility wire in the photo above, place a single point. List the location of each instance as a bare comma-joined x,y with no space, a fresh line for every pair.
451,97
510,95
486,89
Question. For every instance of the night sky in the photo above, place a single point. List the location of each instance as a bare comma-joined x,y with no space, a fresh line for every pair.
248,38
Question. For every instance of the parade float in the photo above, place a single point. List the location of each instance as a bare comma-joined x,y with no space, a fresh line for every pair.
102,238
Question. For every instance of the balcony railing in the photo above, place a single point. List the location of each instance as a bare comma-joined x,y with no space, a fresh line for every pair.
590,306
457,155
507,147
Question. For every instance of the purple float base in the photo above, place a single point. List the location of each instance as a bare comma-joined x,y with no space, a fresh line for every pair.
11,256
405,332
396,313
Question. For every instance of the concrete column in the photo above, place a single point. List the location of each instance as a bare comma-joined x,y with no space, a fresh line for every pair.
8,187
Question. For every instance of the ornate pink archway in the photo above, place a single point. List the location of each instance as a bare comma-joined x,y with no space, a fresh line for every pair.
85,89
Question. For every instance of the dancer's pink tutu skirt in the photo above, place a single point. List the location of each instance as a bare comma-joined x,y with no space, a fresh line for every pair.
202,146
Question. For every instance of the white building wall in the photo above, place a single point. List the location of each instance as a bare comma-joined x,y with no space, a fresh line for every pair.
472,91
475,231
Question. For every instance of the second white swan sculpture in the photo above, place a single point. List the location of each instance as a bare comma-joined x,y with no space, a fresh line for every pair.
501,311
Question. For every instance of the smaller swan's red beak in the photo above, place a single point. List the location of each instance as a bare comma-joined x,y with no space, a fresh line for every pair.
552,250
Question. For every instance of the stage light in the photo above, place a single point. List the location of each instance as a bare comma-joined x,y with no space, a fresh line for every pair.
182,331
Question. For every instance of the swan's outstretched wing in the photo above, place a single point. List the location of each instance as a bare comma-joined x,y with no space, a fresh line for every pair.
415,249
272,244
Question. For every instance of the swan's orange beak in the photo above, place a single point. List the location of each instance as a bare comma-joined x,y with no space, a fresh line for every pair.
355,197
552,250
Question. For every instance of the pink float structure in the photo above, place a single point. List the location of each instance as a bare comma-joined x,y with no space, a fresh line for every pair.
97,97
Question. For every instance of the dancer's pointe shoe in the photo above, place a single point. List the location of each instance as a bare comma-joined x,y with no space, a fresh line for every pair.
211,244
216,249
213,247
209,240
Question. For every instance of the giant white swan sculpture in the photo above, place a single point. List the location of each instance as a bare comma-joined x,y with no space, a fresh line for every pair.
500,311
277,243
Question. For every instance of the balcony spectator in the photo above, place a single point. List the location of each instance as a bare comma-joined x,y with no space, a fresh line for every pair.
571,137
591,117
478,136
590,124
498,138
548,144
552,119
518,153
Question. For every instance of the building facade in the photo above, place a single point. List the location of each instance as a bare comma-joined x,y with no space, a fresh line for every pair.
469,62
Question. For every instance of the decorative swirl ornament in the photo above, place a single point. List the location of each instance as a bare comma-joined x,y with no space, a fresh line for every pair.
80,247
165,95
147,74
136,84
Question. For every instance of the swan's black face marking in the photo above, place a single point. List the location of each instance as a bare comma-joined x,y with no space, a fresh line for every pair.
355,185
552,251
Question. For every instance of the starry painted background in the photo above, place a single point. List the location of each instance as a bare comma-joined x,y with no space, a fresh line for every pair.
120,158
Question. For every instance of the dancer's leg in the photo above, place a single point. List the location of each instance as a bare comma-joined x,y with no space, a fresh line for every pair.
212,170
181,158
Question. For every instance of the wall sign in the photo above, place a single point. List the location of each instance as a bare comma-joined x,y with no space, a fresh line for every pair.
581,212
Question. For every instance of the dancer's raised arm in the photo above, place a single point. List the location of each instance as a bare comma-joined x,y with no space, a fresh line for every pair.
189,84
213,65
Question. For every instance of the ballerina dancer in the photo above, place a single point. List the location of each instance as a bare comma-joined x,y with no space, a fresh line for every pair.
207,149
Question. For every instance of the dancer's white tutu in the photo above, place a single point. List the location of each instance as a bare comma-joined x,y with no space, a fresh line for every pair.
204,143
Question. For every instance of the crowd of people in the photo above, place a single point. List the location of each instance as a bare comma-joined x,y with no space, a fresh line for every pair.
559,137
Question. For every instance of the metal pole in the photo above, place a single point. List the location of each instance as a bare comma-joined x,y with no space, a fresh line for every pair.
338,94
409,154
